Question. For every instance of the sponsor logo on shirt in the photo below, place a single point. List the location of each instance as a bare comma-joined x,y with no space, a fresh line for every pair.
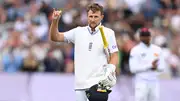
114,46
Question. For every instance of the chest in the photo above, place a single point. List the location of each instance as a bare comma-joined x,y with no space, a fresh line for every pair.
148,55
86,42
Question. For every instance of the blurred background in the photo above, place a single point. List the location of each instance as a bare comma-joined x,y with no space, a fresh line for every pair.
25,47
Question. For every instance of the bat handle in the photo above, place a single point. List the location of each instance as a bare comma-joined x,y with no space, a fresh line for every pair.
107,54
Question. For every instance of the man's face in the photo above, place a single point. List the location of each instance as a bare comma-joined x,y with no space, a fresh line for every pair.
145,39
94,18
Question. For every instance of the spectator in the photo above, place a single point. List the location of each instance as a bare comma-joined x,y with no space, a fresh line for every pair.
30,63
52,63
11,62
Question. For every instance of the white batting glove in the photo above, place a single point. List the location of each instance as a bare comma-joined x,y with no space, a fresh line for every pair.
109,79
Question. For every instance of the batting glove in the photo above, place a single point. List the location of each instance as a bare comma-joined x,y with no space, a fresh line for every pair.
109,79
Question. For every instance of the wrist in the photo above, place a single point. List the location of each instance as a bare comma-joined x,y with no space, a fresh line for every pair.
54,20
153,68
149,67
112,66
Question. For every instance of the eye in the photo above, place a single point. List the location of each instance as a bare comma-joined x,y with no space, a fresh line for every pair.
96,16
90,16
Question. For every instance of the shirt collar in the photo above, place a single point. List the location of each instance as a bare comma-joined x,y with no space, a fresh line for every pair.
96,29
144,45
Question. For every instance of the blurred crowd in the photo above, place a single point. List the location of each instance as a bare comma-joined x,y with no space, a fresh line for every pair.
24,25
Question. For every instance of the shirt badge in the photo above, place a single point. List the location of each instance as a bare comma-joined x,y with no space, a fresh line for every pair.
156,54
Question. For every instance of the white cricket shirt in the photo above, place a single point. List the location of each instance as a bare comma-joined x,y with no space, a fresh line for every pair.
140,62
89,54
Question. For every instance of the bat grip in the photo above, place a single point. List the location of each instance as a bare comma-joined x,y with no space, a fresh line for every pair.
107,54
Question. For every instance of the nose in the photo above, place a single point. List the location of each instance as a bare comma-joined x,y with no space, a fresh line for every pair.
92,19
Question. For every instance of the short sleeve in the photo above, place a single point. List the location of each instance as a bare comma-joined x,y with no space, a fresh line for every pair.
69,36
112,43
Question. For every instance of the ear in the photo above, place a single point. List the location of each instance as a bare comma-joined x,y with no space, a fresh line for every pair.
102,16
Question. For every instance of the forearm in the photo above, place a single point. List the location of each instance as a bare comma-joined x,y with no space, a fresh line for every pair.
135,68
53,31
161,64
114,59
161,67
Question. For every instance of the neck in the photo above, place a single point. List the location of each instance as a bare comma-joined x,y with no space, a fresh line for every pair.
93,28
147,44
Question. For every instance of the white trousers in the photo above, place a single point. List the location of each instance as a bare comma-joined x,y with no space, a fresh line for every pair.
146,91
81,95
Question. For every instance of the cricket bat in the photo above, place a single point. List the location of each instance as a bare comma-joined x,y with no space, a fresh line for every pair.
105,43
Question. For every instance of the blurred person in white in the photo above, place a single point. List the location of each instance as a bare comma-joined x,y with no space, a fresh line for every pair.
174,59
67,17
174,63
90,59
175,21
1,47
146,62
135,5
161,41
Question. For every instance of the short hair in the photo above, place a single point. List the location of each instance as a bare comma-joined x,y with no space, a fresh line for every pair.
94,7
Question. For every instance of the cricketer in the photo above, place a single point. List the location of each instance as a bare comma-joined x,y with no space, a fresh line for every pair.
94,71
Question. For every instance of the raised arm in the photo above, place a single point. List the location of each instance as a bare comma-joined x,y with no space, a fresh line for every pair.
54,34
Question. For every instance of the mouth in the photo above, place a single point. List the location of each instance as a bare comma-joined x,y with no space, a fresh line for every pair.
93,23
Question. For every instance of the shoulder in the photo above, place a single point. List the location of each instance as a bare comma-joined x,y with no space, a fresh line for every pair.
80,28
109,30
135,49
157,48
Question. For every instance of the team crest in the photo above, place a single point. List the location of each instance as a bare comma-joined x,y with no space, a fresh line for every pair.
156,54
